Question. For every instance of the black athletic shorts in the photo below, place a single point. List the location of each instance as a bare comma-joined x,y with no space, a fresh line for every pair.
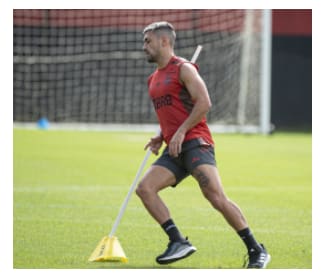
194,153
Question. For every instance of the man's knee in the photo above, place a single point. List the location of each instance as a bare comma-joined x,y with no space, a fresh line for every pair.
141,190
218,200
146,189
156,179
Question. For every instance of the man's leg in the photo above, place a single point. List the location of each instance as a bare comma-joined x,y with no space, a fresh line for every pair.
211,187
156,179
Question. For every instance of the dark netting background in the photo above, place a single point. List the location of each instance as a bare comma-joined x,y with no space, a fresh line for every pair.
88,65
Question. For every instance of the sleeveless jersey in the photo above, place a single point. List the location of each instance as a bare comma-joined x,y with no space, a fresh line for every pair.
173,104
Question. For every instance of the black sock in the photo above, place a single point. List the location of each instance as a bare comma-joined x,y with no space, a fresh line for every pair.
172,231
249,240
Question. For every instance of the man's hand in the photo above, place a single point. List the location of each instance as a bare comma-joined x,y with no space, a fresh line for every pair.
154,144
176,143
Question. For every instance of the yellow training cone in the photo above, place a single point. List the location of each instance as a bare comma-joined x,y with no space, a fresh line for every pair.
108,250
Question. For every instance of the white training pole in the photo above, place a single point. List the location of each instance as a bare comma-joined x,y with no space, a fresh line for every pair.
196,54
117,221
147,155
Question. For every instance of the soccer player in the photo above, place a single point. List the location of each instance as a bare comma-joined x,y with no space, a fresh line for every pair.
181,102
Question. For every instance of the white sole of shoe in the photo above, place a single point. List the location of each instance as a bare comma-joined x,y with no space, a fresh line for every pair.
179,255
268,259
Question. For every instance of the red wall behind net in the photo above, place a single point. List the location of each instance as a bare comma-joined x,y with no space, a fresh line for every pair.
206,20
292,22
285,22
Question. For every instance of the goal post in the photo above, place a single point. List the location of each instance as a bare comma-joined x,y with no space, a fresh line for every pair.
266,59
88,67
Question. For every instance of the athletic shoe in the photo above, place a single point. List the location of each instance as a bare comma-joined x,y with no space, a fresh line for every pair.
176,250
258,258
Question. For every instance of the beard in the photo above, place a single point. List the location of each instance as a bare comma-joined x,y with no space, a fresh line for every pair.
150,58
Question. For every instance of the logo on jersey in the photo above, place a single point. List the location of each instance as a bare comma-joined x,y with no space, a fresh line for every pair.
162,101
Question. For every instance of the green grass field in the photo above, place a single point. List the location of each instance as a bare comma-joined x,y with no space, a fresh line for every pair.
69,186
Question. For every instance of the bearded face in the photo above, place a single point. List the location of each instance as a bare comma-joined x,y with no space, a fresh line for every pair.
151,47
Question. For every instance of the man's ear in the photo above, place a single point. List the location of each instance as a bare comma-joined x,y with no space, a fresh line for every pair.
164,40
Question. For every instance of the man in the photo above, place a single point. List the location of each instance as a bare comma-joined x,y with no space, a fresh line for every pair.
181,101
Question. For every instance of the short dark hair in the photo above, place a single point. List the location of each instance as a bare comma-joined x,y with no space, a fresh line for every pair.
162,26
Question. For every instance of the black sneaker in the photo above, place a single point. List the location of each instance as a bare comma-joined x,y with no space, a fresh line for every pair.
176,250
258,258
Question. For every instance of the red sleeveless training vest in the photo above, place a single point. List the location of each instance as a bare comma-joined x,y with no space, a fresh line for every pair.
172,102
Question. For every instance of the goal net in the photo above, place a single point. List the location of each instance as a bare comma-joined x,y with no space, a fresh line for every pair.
87,66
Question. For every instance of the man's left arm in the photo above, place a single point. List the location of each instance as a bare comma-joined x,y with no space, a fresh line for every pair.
198,91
